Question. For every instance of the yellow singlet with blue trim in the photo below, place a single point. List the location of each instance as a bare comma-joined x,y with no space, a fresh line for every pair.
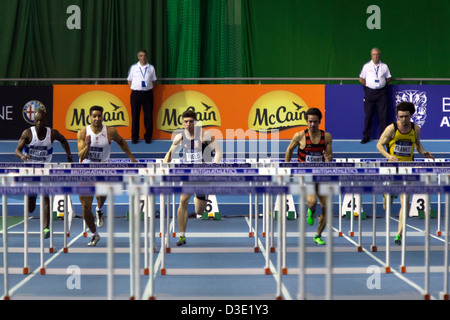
402,146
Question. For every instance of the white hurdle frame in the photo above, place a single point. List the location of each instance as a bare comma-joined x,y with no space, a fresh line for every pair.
135,238
427,189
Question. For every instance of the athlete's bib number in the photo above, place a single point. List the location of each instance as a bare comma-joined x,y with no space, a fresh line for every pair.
95,154
192,157
403,148
314,157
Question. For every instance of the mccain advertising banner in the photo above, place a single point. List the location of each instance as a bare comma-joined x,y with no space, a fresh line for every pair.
239,111
18,105
230,111
345,110
72,104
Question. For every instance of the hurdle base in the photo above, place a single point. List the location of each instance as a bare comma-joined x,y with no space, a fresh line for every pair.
403,269
42,271
26,270
267,271
444,296
285,271
360,249
6,298
427,296
163,271
146,271
388,269
374,248
51,250
256,249
65,250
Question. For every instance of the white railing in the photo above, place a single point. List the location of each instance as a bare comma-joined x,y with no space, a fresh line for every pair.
260,80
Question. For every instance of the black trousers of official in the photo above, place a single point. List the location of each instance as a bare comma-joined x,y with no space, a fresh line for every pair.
375,100
144,100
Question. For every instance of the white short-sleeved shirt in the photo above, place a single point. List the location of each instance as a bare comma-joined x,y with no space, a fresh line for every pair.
141,77
375,76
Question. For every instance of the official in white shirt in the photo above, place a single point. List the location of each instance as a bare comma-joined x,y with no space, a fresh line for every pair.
142,80
375,76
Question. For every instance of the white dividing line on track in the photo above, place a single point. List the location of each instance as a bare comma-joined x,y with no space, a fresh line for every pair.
37,270
285,292
393,271
421,232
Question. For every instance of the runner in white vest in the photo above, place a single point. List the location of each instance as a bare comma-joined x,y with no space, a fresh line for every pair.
36,145
94,145
198,146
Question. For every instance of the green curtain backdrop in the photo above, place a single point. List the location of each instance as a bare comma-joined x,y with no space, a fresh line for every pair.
329,38
204,38
36,43
223,38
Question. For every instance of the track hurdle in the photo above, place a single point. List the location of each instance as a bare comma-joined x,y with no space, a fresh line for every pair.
179,174
21,190
409,189
236,189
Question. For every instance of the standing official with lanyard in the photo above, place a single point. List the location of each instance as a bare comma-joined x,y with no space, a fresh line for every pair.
141,79
375,76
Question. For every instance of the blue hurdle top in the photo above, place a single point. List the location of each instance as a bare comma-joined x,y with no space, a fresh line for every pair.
216,178
68,179
47,190
396,189
213,171
220,190
93,171
21,165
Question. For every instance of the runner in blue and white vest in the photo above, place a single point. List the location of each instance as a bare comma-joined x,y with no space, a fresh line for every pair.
36,145
198,146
